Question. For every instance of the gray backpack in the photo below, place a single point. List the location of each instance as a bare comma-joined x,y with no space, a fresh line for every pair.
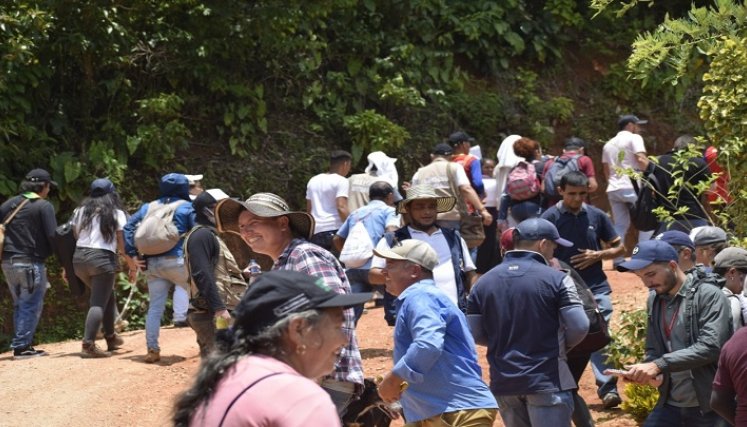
157,232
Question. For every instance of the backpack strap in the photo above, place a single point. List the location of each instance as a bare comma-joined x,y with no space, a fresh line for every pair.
10,217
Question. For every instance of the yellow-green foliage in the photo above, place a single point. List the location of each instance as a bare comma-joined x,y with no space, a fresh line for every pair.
641,399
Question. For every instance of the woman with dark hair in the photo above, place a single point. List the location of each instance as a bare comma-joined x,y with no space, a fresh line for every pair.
288,331
98,224
529,203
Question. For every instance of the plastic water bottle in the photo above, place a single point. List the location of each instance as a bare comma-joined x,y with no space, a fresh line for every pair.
252,271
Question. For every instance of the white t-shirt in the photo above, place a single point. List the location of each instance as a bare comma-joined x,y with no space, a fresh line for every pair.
443,274
628,143
490,192
323,191
92,237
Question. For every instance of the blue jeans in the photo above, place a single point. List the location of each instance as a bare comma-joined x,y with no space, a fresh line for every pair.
620,202
537,410
27,282
605,383
668,415
162,273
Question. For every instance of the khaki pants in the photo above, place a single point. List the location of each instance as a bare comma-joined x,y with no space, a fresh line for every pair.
464,418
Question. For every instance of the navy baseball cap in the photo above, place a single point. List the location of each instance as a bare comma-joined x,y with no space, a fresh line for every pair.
676,238
40,175
538,229
647,253
101,187
443,149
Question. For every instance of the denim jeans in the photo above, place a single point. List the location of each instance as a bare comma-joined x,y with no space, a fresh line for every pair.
324,239
620,202
537,410
180,304
27,282
162,273
605,383
668,415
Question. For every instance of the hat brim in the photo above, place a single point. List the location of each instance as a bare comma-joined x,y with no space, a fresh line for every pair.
634,265
563,242
641,122
347,300
443,204
388,254
228,210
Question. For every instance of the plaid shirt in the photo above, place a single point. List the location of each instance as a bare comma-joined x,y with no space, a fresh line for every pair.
311,259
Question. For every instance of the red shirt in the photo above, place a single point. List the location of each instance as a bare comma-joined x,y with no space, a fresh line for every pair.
720,187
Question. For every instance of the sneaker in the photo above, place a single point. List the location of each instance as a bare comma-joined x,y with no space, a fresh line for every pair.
611,400
113,342
121,325
89,350
27,353
153,356
181,324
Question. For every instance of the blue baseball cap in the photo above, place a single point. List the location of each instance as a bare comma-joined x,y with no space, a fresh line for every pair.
538,229
647,253
676,238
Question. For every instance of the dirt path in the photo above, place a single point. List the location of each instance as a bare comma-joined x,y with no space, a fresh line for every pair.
64,390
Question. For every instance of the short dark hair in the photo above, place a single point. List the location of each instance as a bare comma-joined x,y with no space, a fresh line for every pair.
722,270
575,179
338,156
379,190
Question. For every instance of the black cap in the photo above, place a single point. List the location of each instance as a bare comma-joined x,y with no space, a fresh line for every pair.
458,137
629,118
276,294
443,149
40,175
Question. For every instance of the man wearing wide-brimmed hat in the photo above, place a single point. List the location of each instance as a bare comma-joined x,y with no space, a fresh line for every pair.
268,225
454,273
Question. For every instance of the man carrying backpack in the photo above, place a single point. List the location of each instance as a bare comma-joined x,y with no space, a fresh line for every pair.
154,235
572,159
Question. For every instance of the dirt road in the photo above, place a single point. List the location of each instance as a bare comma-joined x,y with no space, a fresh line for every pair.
64,390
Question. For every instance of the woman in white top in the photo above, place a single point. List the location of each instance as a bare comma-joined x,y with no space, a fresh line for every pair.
98,223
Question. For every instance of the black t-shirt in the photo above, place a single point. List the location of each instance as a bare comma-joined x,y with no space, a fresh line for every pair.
31,232
668,169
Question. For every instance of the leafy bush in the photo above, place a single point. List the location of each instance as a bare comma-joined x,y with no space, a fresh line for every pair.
628,346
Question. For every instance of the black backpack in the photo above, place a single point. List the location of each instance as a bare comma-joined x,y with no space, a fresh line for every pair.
642,211
599,335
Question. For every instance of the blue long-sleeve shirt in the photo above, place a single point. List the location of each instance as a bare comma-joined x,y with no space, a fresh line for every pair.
435,353
184,218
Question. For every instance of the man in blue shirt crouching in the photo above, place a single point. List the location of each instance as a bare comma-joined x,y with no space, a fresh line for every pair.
436,376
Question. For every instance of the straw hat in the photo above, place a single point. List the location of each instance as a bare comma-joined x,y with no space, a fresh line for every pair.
263,205
422,192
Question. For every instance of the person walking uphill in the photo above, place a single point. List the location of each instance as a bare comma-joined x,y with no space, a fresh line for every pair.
529,315
269,226
29,231
154,235
434,353
327,199
216,283
99,224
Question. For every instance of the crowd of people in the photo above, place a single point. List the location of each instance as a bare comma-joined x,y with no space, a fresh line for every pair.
506,254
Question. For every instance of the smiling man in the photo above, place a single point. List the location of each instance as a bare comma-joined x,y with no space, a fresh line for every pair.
590,230
269,226
689,322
